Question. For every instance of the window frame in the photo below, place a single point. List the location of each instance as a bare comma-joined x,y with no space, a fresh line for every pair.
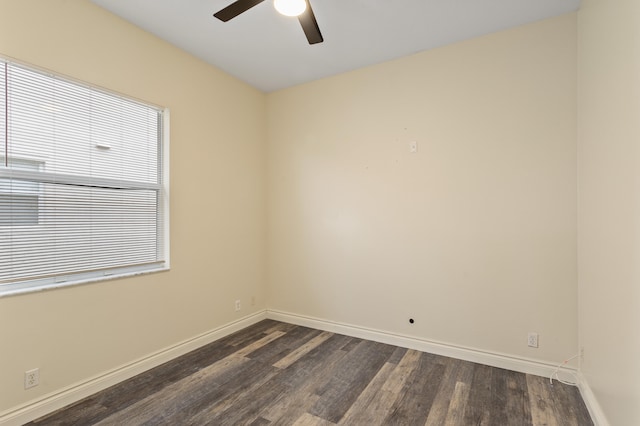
9,288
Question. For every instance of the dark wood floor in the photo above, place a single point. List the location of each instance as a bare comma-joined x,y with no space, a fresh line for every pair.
274,373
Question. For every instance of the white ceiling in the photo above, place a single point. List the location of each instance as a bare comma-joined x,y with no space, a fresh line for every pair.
270,52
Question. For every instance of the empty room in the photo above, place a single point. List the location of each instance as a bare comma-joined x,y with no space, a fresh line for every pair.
424,212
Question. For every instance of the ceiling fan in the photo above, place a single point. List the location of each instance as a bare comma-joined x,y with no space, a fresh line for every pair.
300,8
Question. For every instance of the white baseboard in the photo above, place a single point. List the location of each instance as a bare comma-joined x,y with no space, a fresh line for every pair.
493,359
63,397
597,415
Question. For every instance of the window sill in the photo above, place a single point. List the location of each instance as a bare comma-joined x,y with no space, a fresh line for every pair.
52,286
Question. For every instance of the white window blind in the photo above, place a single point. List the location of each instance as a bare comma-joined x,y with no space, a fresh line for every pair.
81,182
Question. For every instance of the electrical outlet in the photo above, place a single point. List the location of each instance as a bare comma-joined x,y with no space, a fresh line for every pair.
532,340
237,305
31,378
581,354
253,301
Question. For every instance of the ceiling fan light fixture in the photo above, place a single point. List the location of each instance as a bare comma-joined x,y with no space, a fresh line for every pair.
290,7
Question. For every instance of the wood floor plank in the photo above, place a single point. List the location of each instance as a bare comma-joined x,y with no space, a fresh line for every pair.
225,395
403,371
250,334
456,371
312,368
566,416
304,377
302,350
282,326
569,411
352,343
260,422
576,404
310,420
498,398
478,411
233,393
287,343
542,411
251,407
122,395
259,343
455,413
290,408
397,355
280,374
356,370
369,402
166,400
420,389
382,392
304,394
517,398
163,407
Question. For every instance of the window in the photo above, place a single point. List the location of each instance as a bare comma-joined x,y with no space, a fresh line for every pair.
82,185
19,200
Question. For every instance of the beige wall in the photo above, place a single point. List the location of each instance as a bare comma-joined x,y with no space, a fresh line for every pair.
474,235
609,204
218,130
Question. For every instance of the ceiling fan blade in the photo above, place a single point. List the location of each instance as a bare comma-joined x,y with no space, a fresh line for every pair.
310,25
235,9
